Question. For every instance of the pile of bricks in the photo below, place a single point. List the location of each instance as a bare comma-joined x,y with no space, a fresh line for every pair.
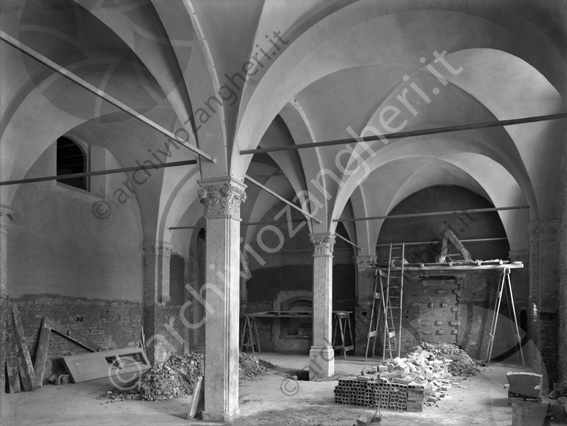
378,392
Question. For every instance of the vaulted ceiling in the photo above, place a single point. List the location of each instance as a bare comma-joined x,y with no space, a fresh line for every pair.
233,75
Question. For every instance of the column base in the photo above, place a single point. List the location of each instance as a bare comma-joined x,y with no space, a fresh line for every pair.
321,362
220,417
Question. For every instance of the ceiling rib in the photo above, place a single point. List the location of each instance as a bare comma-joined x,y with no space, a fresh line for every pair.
100,93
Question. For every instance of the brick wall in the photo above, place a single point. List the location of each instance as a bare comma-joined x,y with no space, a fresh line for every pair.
455,307
113,325
110,324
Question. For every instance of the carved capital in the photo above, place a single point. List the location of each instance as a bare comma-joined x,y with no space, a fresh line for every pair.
323,243
222,197
157,248
365,261
518,256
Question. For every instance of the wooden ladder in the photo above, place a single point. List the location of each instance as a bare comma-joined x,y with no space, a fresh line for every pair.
392,299
375,313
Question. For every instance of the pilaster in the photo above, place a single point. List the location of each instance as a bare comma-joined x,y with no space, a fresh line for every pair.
544,294
321,355
157,255
222,198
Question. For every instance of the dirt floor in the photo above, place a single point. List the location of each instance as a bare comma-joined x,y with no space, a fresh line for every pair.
272,399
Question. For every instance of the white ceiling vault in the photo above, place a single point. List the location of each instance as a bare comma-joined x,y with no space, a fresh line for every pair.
238,75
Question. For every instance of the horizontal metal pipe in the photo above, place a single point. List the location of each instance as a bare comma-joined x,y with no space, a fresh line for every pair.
98,92
242,224
279,197
404,216
98,173
411,133
419,243
348,241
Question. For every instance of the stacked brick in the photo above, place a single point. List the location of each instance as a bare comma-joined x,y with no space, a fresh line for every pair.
421,378
379,392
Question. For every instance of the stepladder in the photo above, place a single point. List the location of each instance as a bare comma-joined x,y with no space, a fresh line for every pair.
375,314
504,290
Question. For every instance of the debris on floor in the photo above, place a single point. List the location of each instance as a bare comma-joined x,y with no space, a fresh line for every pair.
423,377
177,378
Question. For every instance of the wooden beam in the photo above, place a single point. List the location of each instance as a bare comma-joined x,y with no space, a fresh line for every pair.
100,93
412,133
27,373
12,373
405,216
41,353
98,173
279,197
450,236
79,340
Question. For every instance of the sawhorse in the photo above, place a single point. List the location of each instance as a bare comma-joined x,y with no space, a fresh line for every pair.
505,283
249,334
342,322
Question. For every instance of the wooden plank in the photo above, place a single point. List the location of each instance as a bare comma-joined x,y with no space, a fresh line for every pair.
97,365
197,400
41,354
12,373
25,365
76,338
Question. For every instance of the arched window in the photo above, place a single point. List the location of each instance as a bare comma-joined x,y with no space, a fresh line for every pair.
71,159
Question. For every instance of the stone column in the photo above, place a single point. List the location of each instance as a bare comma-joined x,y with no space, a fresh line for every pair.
543,294
5,217
157,256
365,280
222,198
321,355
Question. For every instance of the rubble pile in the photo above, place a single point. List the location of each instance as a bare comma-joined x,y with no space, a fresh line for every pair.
424,376
177,377
250,366
461,364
